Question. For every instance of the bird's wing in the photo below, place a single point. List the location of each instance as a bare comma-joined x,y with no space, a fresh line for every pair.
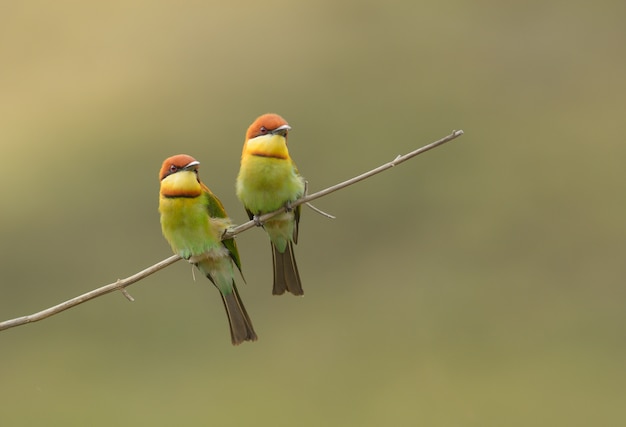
216,210
297,210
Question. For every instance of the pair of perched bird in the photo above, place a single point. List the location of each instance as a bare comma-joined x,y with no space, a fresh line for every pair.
193,219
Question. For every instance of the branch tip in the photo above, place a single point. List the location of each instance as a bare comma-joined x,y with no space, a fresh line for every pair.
321,212
127,295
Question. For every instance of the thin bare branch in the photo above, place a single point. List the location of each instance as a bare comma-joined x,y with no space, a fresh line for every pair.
321,212
128,296
118,285
310,205
123,283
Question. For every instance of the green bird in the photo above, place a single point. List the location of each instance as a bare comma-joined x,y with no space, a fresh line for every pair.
268,180
193,221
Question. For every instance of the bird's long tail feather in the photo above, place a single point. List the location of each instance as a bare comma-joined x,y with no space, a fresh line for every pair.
286,276
240,325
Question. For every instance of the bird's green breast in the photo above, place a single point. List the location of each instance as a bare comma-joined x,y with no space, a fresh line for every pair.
186,226
266,184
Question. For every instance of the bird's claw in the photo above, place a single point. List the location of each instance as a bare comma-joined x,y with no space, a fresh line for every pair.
288,207
225,232
257,220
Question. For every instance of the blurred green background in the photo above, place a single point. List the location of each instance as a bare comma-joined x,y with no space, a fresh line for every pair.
481,284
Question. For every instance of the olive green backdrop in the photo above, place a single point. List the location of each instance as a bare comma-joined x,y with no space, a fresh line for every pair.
480,284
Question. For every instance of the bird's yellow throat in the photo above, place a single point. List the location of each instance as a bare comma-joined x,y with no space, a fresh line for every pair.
274,146
181,184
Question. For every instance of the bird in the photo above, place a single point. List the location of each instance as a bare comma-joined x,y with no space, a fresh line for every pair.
193,221
268,180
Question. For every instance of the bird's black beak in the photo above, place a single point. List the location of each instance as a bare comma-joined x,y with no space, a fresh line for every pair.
282,130
191,166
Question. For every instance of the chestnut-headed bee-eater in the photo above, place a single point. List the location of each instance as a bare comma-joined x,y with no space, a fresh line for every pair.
193,221
268,180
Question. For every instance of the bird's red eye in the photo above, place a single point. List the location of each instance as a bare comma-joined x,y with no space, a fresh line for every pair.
173,168
263,130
